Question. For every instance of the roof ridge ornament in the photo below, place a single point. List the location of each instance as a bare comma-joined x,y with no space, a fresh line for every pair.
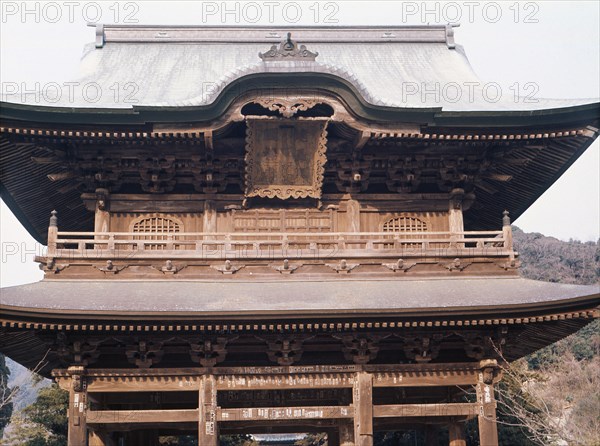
288,50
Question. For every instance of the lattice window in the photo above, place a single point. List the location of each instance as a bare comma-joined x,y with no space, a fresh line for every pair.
155,224
405,224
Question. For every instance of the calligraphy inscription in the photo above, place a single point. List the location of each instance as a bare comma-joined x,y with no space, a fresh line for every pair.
285,158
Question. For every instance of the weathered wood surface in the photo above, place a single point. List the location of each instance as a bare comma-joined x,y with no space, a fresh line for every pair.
315,380
415,370
77,411
142,416
488,428
456,434
208,433
425,410
363,409
285,413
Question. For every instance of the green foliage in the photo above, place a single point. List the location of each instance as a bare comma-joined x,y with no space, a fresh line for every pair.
43,423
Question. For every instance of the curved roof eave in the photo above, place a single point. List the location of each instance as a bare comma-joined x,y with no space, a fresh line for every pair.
469,296
351,94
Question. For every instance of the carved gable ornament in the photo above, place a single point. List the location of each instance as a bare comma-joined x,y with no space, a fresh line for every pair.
288,50
285,158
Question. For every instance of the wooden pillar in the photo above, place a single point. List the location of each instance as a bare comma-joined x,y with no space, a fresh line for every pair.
52,235
77,407
456,434
102,216
353,216
455,213
208,434
363,409
209,220
95,439
488,429
507,232
346,431
99,438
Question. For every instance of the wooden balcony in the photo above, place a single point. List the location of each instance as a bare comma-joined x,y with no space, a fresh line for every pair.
256,246
341,251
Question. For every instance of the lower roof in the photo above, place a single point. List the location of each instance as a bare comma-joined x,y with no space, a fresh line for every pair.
179,299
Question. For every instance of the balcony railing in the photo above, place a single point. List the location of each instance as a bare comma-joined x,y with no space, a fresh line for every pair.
271,245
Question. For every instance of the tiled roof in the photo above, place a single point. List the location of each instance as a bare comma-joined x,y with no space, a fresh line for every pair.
400,67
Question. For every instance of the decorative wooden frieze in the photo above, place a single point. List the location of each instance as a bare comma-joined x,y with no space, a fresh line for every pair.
360,349
145,354
285,267
227,267
353,173
423,349
510,264
285,158
169,268
456,265
285,350
287,106
343,267
400,265
50,266
209,352
288,50
110,268
77,352
477,345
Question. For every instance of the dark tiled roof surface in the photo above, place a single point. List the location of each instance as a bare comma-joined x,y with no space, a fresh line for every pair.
430,296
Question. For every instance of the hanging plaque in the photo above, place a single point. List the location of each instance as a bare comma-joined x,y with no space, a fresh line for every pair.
285,158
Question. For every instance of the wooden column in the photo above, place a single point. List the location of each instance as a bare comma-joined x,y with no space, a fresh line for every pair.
363,409
208,434
455,213
353,216
346,434
52,235
488,429
209,220
102,216
507,232
456,434
77,407
95,439
100,438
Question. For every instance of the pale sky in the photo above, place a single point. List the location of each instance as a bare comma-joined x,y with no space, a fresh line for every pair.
555,45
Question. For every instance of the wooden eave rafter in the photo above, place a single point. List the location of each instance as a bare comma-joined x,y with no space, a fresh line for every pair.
117,322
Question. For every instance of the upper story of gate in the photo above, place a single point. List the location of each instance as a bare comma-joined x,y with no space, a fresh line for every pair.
215,152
